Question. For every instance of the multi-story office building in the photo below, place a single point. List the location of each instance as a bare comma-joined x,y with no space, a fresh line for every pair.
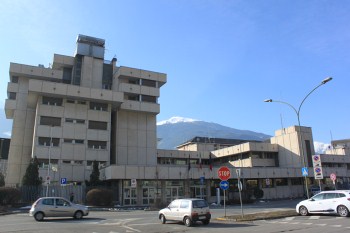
84,108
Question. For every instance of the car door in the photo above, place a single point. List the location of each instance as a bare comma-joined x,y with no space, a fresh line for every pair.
184,209
173,210
315,204
63,208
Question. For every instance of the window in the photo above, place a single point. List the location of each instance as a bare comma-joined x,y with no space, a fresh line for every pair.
98,125
81,102
97,144
68,140
185,204
148,98
52,101
61,202
45,141
79,141
98,106
129,96
149,83
70,101
52,121
296,181
69,120
79,121
14,79
12,95
282,182
48,201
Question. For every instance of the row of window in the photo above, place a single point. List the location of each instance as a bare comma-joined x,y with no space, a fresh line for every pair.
44,163
141,98
54,101
56,121
92,144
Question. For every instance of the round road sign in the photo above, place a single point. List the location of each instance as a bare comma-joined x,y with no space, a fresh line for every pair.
224,173
333,177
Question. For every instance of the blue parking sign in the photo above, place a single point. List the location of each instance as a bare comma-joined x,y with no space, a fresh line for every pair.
304,171
63,180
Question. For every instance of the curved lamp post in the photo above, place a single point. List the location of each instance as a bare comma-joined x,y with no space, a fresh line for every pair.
297,111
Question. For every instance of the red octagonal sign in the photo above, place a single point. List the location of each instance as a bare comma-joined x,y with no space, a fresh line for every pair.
224,173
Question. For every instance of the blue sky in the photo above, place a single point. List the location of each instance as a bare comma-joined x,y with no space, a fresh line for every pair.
222,58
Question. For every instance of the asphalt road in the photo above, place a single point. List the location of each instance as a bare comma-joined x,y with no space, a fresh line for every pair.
147,221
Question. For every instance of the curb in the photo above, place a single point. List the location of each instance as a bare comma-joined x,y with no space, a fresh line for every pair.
259,216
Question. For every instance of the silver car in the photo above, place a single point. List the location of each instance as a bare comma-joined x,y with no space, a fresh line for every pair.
187,211
57,207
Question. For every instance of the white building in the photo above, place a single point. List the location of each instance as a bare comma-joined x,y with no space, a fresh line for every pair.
84,108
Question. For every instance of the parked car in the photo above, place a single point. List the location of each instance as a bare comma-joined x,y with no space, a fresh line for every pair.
326,202
187,211
56,207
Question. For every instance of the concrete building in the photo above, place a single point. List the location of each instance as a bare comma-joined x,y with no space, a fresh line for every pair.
85,108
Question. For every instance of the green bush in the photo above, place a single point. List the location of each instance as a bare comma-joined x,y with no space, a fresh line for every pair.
99,197
9,196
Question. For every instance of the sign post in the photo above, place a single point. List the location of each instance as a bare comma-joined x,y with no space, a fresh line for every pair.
224,174
318,174
240,186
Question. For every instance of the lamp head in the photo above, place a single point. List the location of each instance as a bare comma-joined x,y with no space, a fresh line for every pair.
268,100
326,80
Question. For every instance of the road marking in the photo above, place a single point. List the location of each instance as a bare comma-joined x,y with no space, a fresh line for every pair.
314,217
289,218
321,224
335,225
307,223
295,223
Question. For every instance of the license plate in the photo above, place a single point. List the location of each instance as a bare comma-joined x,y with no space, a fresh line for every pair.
202,217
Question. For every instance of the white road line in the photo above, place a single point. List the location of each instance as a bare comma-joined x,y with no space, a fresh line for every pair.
314,217
335,225
307,223
295,223
289,218
321,224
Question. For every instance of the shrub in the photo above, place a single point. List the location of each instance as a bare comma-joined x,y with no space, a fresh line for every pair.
9,196
99,197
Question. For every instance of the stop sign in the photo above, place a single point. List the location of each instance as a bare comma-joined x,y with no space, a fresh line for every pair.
224,173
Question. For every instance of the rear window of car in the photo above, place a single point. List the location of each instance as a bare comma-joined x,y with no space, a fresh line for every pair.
47,202
199,204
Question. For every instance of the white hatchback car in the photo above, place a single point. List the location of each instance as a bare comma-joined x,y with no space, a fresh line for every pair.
188,211
57,207
326,202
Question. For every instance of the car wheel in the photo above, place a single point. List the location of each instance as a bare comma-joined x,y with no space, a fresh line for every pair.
206,222
162,219
78,215
39,216
303,211
187,221
342,211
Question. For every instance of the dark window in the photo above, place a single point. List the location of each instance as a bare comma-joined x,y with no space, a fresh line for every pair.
45,141
81,102
12,95
14,79
68,140
98,106
70,101
97,144
148,83
134,81
67,75
47,201
282,182
98,125
79,121
52,101
296,181
69,120
130,96
79,141
52,121
148,98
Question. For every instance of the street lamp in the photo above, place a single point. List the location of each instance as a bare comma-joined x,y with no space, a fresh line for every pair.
297,111
48,179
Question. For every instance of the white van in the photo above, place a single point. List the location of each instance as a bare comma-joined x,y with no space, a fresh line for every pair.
187,211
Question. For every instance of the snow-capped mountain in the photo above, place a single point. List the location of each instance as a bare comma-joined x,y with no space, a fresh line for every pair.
178,130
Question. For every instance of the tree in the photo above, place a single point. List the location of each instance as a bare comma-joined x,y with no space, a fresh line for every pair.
31,176
2,180
95,175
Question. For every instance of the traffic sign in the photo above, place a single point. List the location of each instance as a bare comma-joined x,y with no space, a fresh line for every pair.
333,177
224,185
63,181
224,173
304,171
133,183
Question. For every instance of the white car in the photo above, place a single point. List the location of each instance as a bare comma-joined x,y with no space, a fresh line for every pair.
326,202
57,207
188,211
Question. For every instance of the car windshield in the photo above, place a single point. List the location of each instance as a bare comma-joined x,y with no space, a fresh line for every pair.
200,204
